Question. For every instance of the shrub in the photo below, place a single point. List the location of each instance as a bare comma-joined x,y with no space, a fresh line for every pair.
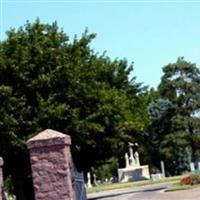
186,180
195,177
107,170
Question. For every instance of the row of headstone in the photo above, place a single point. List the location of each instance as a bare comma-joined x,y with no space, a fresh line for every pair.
154,176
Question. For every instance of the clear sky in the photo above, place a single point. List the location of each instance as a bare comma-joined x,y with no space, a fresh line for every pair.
149,33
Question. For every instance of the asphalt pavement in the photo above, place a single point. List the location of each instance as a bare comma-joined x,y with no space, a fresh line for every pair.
126,192
153,192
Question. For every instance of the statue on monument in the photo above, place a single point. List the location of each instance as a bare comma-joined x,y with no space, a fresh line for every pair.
126,160
131,158
137,159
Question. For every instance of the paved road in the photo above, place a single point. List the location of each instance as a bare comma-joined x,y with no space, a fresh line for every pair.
147,193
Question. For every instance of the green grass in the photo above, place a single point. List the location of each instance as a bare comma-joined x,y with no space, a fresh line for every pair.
113,186
178,186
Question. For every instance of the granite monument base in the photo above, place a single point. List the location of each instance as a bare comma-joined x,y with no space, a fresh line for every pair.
134,173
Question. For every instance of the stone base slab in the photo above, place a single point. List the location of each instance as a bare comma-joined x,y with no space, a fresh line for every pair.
134,173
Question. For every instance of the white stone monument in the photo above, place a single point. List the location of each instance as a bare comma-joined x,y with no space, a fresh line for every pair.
192,167
89,185
95,180
162,168
133,171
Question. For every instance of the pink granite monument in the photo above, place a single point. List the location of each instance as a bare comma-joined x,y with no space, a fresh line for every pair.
51,165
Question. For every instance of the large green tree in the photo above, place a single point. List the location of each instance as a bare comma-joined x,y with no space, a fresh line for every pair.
160,112
177,114
46,81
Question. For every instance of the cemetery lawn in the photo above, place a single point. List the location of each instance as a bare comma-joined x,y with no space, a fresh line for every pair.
113,186
178,186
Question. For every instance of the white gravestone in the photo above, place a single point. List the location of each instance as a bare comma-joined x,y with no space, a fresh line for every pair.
95,179
192,168
89,185
162,168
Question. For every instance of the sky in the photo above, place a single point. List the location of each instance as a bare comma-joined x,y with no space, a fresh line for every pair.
149,33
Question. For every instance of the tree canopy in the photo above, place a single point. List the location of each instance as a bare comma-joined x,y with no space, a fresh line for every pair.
48,81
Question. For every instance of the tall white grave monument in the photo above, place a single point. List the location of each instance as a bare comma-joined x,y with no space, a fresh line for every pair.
133,171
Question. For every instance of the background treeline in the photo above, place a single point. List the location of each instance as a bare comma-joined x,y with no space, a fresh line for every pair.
49,81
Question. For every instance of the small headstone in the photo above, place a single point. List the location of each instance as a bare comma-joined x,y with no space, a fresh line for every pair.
89,185
95,179
162,168
192,168
156,176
